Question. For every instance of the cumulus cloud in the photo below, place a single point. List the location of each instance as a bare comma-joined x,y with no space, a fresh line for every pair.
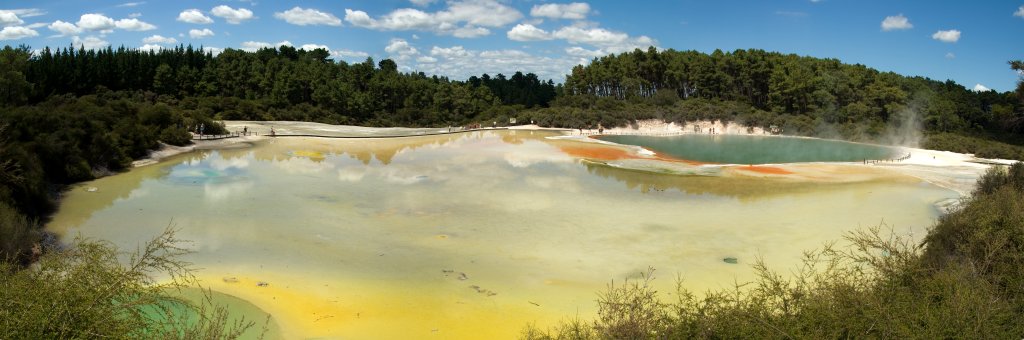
151,47
609,41
399,49
527,32
8,18
1019,12
896,22
422,3
96,22
981,88
89,43
462,18
133,25
574,11
194,16
302,17
343,53
159,39
470,32
461,63
12,17
213,50
580,52
64,28
231,15
950,36
200,34
17,32
253,46
310,47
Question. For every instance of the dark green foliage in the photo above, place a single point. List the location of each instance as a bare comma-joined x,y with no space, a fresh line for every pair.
981,147
19,237
965,280
801,95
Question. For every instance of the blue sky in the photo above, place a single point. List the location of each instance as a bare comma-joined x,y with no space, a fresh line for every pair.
966,41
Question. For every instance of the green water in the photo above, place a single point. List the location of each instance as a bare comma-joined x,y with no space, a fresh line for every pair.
731,149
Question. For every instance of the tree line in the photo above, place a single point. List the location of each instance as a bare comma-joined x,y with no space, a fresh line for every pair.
769,88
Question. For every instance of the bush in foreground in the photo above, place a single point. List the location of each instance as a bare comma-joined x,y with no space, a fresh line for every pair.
84,291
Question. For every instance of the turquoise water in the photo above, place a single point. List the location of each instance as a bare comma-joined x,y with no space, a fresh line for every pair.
731,149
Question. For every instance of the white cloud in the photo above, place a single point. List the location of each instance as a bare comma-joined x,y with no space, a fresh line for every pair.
200,34
8,18
151,47
253,46
18,14
950,36
300,16
159,39
449,52
89,43
17,32
36,25
213,50
134,15
95,22
981,88
527,32
422,3
343,53
580,52
609,41
194,16
64,28
896,22
462,18
470,32
310,47
400,49
950,55
1019,12
131,4
460,63
574,11
134,25
231,15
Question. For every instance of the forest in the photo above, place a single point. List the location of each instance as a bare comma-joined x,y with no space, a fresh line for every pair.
70,115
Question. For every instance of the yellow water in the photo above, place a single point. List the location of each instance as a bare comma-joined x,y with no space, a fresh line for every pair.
473,235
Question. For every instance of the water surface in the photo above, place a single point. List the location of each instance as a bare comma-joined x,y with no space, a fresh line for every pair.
465,236
741,149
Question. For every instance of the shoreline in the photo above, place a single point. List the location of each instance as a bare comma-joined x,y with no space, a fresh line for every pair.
950,170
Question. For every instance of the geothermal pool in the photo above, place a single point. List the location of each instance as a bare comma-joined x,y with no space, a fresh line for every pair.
739,149
470,235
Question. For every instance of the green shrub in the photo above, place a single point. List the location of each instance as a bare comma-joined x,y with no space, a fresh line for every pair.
18,236
85,292
175,136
